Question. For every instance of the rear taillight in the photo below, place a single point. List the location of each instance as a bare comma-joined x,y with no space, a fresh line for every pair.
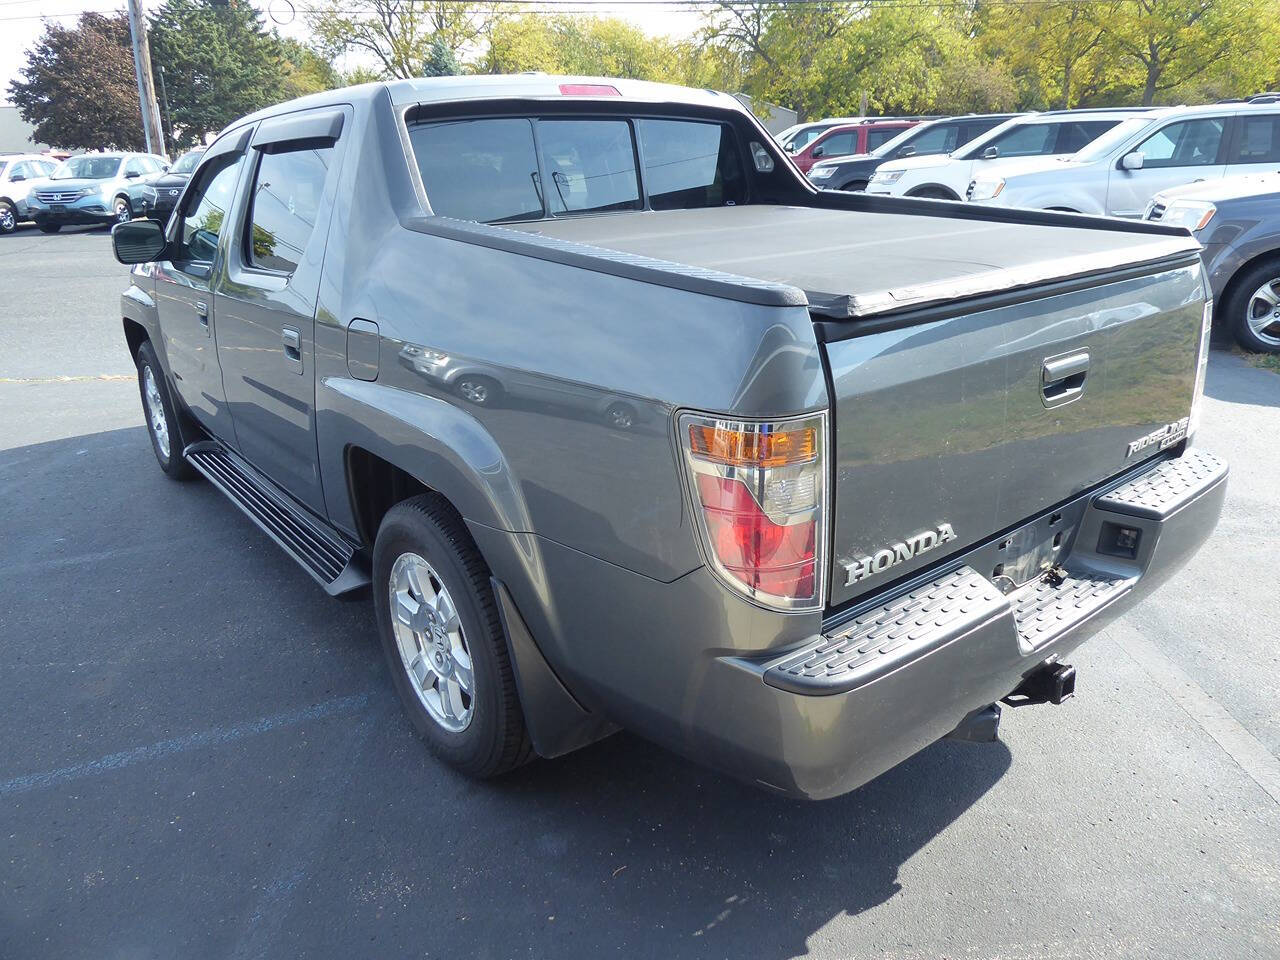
759,492
1202,367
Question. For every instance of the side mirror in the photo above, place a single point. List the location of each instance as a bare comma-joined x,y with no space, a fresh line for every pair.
990,153
1132,161
790,147
907,151
817,152
138,241
17,178
131,175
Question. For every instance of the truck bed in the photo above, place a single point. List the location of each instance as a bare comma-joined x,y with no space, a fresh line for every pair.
856,264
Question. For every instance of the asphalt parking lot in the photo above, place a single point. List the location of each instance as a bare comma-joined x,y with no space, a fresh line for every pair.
202,755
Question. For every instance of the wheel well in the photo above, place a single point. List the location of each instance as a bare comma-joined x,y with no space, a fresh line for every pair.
1229,290
928,188
858,184
375,486
1063,209
135,334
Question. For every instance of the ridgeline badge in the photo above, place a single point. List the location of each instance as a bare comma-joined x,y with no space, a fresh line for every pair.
1166,437
891,556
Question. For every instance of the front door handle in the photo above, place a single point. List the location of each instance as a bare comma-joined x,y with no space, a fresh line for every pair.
292,348
202,314
1062,378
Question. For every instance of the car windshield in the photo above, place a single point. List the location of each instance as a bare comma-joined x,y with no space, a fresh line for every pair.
1113,138
906,136
3,165
187,162
87,168
803,138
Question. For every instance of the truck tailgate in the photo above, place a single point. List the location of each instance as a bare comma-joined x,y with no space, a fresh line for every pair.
950,431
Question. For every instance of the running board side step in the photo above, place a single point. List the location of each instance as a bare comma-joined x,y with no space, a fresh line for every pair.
337,564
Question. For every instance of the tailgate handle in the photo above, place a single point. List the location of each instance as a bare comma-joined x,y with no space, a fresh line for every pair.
1062,378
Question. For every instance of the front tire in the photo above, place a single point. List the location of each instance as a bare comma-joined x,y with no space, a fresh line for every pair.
482,391
443,640
122,212
1252,311
8,217
855,186
931,193
162,419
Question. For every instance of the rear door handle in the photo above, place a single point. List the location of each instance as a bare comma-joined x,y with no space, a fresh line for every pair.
292,348
1062,378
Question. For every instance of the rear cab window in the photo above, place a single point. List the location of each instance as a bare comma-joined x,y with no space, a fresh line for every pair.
532,168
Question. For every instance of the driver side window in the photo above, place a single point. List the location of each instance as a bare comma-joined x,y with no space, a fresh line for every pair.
205,210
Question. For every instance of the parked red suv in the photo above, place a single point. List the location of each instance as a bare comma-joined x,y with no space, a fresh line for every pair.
849,138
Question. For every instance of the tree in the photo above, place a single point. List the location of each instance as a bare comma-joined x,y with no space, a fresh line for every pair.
440,61
305,70
79,89
220,63
398,34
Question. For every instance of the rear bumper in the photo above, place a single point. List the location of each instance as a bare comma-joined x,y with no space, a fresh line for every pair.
815,713
900,675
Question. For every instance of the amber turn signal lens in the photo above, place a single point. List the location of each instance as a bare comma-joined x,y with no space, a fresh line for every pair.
721,443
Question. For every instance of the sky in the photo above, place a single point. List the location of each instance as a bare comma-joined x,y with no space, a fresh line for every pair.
22,22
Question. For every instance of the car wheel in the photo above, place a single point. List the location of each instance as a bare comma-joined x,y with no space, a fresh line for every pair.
48,227
439,626
162,419
8,217
1253,309
855,185
620,416
122,212
482,391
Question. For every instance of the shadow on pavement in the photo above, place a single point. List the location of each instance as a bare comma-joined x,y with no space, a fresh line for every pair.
1246,383
136,611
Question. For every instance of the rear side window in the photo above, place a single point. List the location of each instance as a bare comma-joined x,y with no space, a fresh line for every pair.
590,166
484,170
286,202
838,144
968,131
1259,140
940,139
1078,135
689,164
877,137
1027,140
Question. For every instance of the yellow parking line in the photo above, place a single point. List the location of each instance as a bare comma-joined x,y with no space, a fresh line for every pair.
92,378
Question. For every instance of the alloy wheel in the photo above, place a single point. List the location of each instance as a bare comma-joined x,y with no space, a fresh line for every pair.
1264,312
155,411
123,215
431,642
7,220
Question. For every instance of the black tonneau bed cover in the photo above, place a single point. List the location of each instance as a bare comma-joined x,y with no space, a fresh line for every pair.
857,264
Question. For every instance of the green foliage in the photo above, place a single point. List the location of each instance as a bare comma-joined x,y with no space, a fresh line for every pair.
220,63
78,88
440,61
397,35
305,70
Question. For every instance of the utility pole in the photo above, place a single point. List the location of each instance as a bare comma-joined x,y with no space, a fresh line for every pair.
146,86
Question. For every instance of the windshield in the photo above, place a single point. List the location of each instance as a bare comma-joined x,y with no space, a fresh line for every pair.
1113,138
3,164
802,138
906,136
187,162
87,168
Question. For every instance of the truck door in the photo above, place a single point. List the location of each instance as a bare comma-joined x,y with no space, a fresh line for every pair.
266,295
198,234
1185,151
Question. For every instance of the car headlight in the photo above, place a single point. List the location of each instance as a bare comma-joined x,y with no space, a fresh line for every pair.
821,173
1192,214
984,189
887,177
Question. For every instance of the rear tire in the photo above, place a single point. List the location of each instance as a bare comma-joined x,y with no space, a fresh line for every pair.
443,640
162,419
1252,311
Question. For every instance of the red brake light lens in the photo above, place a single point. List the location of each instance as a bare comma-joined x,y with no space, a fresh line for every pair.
589,90
759,499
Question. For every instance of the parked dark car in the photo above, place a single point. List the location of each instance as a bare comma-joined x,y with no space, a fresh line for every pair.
1238,221
932,137
846,139
891,461
161,195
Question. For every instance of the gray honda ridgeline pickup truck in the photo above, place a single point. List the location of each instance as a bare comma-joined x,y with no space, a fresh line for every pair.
625,424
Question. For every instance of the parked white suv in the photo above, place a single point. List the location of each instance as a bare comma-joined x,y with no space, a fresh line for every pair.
945,177
18,172
1121,171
